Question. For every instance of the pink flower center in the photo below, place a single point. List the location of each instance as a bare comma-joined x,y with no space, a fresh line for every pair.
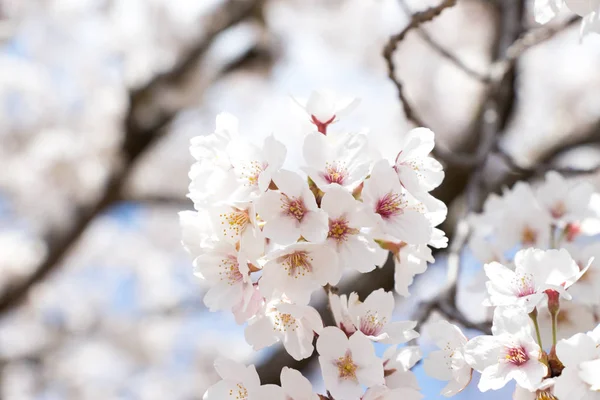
229,270
293,207
525,286
297,264
335,172
390,205
340,230
346,367
371,324
516,356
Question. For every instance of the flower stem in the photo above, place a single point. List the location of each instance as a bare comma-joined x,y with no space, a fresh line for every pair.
533,315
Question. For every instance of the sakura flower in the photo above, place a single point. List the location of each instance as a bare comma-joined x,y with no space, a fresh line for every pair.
396,212
536,272
291,211
237,381
397,363
339,309
333,161
237,223
521,221
292,324
324,107
511,353
253,166
348,364
564,201
228,273
580,356
373,318
355,247
411,260
448,364
417,171
298,270
294,386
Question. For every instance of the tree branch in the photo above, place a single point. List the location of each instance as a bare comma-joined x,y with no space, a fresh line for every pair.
139,137
388,52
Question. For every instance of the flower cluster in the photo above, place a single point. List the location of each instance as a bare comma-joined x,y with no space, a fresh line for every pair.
545,10
265,238
545,299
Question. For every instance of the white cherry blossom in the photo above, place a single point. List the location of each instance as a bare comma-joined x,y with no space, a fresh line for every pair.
254,166
213,147
299,269
334,160
294,325
381,392
396,212
417,171
354,245
341,314
237,381
535,272
511,353
325,107
579,355
572,318
373,317
543,391
348,364
448,363
587,289
291,211
564,201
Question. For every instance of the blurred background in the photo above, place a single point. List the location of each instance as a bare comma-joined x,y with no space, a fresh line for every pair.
98,102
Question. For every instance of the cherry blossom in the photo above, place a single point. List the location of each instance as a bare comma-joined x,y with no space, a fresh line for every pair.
298,270
341,314
511,353
564,201
291,211
448,363
381,392
294,325
536,272
332,160
579,355
355,246
587,289
325,107
396,212
237,381
373,318
543,391
417,171
212,148
348,364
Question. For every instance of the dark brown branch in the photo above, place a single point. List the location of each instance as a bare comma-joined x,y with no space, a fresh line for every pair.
139,136
452,58
388,52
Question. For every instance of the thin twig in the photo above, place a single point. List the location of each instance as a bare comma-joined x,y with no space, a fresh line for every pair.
388,52
443,51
